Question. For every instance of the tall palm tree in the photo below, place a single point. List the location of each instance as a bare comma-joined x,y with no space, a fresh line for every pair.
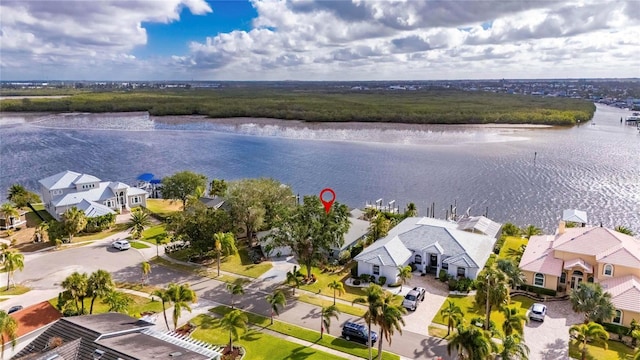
624,230
41,229
236,288
510,229
139,220
162,239
593,301
513,272
293,279
404,274
325,318
338,287
516,254
99,284
233,321
492,290
276,300
145,267
78,285
225,243
513,321
8,212
389,319
181,295
513,348
584,333
373,300
13,261
163,295
530,231
452,314
470,343
8,329
117,301
73,221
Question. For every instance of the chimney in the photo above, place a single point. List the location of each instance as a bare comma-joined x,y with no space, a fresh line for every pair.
561,227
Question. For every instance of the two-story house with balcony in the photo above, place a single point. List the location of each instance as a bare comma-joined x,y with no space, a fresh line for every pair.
587,254
95,197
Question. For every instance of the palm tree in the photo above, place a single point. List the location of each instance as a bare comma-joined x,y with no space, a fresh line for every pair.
325,318
276,300
373,300
236,288
8,328
404,274
336,286
513,272
162,239
510,229
225,243
78,285
145,267
232,321
411,210
389,319
624,230
593,301
8,212
516,254
293,279
530,231
471,343
163,295
635,334
492,290
378,228
73,221
99,284
452,314
513,321
584,333
180,295
41,229
117,301
514,348
139,220
13,261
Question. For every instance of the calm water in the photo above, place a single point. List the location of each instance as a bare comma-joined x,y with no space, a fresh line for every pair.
590,167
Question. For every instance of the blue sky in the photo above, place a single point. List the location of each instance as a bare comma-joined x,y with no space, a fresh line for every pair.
318,39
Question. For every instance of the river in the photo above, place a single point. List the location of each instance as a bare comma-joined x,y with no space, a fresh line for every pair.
524,175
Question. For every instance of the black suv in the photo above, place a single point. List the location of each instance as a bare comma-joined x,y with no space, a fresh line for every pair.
357,332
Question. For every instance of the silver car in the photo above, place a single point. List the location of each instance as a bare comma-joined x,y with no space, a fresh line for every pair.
537,312
121,245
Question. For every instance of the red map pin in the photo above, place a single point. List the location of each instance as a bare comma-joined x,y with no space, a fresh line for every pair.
327,203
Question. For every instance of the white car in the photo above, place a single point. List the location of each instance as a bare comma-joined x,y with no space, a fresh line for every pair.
537,312
121,245
413,298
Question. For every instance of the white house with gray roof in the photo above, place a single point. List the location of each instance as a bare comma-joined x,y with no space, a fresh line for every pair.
95,197
431,244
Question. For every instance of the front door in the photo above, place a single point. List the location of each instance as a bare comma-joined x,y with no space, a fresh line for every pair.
576,279
433,262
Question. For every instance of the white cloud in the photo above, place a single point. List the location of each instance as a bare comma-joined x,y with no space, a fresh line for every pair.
324,40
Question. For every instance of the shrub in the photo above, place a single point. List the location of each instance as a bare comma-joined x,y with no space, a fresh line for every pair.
344,257
538,290
382,280
443,276
354,271
499,244
616,329
356,282
453,284
394,285
464,285
365,278
357,249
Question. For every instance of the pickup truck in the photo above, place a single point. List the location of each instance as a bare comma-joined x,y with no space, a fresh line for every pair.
413,298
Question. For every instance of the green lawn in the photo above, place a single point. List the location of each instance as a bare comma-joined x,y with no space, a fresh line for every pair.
137,286
513,243
40,209
101,235
616,351
14,290
139,305
164,207
241,264
211,273
138,245
329,341
153,233
321,301
468,307
259,346
324,278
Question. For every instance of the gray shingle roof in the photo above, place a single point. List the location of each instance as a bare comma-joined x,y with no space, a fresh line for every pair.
385,253
62,180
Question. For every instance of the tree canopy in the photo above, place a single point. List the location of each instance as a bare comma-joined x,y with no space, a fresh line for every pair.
181,185
198,224
20,196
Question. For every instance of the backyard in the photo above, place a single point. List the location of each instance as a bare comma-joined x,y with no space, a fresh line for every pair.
511,245
163,207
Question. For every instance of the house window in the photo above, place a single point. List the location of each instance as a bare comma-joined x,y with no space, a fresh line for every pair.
590,279
445,266
563,278
56,192
376,270
608,270
461,271
617,319
135,200
418,259
538,279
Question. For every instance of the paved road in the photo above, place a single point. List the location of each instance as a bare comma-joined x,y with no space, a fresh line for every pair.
44,271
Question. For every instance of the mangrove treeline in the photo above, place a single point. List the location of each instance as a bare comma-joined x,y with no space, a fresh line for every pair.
420,107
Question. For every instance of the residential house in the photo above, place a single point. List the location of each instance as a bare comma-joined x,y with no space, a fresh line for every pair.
460,248
113,336
32,321
587,254
13,222
95,197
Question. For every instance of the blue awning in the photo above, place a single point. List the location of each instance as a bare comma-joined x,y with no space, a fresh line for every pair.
145,177
155,181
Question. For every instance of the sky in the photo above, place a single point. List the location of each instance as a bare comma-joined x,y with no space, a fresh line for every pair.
318,39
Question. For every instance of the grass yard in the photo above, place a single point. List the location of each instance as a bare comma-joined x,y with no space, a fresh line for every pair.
468,307
14,290
139,305
258,346
139,245
324,278
241,264
211,273
511,243
346,309
437,332
164,207
101,235
137,287
329,341
153,233
616,351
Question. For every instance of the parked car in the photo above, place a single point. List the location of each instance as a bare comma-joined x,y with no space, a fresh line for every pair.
358,332
413,298
537,312
121,245
14,309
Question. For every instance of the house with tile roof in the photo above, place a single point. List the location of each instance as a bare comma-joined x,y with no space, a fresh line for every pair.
587,254
95,197
460,248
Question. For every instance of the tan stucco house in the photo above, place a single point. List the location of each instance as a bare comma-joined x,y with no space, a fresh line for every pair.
593,254
95,197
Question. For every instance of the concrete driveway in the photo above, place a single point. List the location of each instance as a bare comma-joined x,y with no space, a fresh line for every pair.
549,340
418,321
